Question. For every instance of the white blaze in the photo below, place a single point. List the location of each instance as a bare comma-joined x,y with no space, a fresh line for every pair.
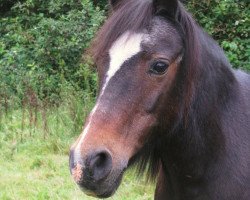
126,46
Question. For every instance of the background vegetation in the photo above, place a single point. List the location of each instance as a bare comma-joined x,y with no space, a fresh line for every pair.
47,86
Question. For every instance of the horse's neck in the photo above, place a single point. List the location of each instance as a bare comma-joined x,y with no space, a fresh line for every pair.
198,141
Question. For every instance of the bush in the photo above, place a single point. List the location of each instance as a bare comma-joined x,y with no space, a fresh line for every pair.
41,46
228,22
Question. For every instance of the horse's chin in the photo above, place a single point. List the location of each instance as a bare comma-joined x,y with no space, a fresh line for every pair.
104,188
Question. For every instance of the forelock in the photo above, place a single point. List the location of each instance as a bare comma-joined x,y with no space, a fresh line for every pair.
133,16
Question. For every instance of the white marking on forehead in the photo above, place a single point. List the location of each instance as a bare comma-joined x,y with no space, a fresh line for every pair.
126,46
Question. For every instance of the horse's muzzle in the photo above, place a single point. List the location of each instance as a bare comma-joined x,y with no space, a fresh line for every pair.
94,174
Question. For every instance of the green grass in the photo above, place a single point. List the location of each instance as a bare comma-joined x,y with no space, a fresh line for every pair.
47,177
32,167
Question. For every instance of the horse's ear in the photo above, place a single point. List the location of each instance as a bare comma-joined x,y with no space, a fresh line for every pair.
166,6
114,3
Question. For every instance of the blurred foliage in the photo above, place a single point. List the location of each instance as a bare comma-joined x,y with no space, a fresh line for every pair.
42,42
41,46
228,22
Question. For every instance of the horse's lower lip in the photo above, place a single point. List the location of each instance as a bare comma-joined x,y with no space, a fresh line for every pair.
99,191
92,194
105,195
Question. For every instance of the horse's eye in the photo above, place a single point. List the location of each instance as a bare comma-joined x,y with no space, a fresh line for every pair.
158,67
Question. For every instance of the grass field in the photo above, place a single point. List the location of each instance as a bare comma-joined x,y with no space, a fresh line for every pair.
34,163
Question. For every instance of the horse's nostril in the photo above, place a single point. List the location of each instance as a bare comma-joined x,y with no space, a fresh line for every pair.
99,160
99,165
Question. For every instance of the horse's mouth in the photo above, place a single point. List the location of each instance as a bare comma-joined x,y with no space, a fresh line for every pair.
101,189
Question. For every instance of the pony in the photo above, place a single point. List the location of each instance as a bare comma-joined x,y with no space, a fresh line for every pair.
168,102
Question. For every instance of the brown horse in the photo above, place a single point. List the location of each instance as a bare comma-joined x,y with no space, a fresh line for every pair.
169,102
